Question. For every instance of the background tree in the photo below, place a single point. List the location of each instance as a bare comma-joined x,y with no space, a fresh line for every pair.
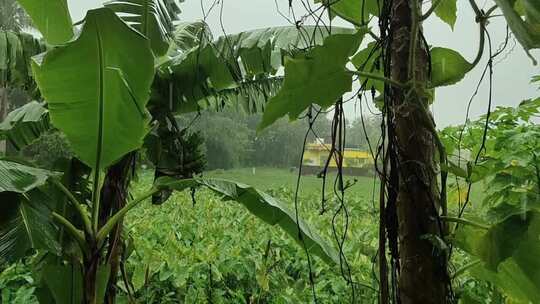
364,131
231,139
13,17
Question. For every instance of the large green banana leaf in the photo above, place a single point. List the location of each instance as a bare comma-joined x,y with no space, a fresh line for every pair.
237,67
188,35
249,96
97,87
24,211
152,18
52,19
263,206
25,124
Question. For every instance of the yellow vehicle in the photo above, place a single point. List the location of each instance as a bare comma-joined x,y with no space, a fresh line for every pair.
355,161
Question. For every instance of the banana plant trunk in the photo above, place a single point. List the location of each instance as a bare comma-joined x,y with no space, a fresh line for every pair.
114,194
90,277
423,274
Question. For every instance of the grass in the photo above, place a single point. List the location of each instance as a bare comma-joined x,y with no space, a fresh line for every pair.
269,179
274,178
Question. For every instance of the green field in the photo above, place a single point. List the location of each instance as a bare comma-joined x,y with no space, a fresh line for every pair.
273,178
362,188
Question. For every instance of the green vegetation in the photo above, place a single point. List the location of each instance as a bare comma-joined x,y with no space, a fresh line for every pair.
247,260
506,221
104,198
310,185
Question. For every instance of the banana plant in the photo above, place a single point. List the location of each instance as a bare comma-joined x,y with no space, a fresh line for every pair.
16,50
104,91
24,125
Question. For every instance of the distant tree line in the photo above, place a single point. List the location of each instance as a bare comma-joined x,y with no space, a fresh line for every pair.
231,139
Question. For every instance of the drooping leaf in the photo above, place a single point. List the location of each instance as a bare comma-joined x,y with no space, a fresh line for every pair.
10,57
25,124
152,18
316,77
24,211
52,19
447,11
527,29
18,178
511,279
25,224
261,51
248,97
502,240
508,251
357,12
263,206
188,35
448,67
103,112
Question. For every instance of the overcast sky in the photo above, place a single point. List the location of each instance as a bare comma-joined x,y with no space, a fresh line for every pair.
512,73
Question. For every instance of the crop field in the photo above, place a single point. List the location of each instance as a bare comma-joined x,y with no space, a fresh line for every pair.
225,252
207,250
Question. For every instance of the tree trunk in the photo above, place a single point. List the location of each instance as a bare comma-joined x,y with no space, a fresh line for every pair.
423,275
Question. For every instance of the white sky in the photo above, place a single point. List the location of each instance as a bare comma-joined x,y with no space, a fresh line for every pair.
511,75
